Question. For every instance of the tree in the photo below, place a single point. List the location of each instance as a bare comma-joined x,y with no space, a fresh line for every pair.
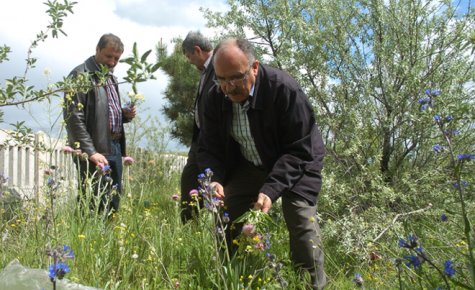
17,91
180,92
366,65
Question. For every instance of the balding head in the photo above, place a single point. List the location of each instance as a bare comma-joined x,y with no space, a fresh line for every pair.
235,68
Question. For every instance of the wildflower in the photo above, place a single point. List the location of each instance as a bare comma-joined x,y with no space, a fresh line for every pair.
194,193
47,71
448,268
425,100
358,280
81,237
432,92
135,256
438,148
465,157
248,230
58,271
437,118
175,197
448,118
414,261
128,160
443,217
226,217
411,242
68,149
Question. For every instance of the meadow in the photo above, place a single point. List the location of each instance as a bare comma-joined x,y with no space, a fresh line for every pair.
145,245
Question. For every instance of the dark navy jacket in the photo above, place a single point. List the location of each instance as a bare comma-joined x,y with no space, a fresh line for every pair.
282,123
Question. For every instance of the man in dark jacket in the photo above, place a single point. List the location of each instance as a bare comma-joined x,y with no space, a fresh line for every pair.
94,122
261,141
199,52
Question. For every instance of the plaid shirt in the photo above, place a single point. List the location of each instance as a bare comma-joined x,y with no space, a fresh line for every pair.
241,132
115,111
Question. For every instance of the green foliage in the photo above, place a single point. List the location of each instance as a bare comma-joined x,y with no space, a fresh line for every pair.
180,92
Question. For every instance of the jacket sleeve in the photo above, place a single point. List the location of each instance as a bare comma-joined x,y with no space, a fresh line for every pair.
75,115
300,160
212,141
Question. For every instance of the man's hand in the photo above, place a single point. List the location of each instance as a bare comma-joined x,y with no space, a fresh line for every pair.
98,159
129,112
218,189
263,202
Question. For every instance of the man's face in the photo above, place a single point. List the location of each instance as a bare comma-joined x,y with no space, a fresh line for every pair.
233,73
195,58
108,56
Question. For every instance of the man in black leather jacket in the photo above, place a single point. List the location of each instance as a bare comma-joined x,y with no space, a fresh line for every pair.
94,123
261,140
199,52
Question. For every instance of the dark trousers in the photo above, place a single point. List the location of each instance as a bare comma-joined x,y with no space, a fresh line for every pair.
107,186
189,181
300,217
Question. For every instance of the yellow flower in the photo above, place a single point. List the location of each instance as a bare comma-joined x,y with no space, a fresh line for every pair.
80,106
81,237
235,242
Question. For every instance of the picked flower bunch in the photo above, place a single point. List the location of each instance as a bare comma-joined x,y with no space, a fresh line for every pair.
135,98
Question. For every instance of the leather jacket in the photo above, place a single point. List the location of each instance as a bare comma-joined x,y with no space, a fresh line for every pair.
89,125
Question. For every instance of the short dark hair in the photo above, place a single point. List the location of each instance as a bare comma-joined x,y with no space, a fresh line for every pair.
112,39
195,38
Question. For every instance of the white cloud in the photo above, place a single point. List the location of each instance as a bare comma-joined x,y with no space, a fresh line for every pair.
145,22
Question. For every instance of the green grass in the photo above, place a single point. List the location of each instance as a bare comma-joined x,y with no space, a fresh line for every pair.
145,246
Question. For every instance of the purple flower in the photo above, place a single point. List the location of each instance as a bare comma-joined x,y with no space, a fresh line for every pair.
437,118
175,197
248,230
432,92
194,193
128,160
466,157
438,148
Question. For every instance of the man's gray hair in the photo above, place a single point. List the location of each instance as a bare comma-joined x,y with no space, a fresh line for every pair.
195,38
243,44
112,39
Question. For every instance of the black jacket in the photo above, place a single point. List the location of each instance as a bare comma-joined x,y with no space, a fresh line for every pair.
90,125
282,123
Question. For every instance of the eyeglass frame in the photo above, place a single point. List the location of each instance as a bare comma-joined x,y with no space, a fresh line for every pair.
233,82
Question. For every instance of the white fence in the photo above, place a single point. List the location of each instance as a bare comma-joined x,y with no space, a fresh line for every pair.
25,165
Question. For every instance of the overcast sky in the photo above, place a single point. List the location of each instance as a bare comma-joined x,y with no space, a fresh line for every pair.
145,22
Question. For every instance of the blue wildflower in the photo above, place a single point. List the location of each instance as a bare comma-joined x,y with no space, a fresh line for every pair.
411,242
438,148
201,176
466,157
68,252
424,100
358,280
414,261
448,268
431,92
437,118
443,217
464,183
448,118
58,271
424,107
208,172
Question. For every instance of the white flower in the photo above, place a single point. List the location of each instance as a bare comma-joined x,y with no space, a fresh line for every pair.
131,94
135,256
47,72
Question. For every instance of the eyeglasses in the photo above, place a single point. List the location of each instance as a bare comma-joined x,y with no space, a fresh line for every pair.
233,82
